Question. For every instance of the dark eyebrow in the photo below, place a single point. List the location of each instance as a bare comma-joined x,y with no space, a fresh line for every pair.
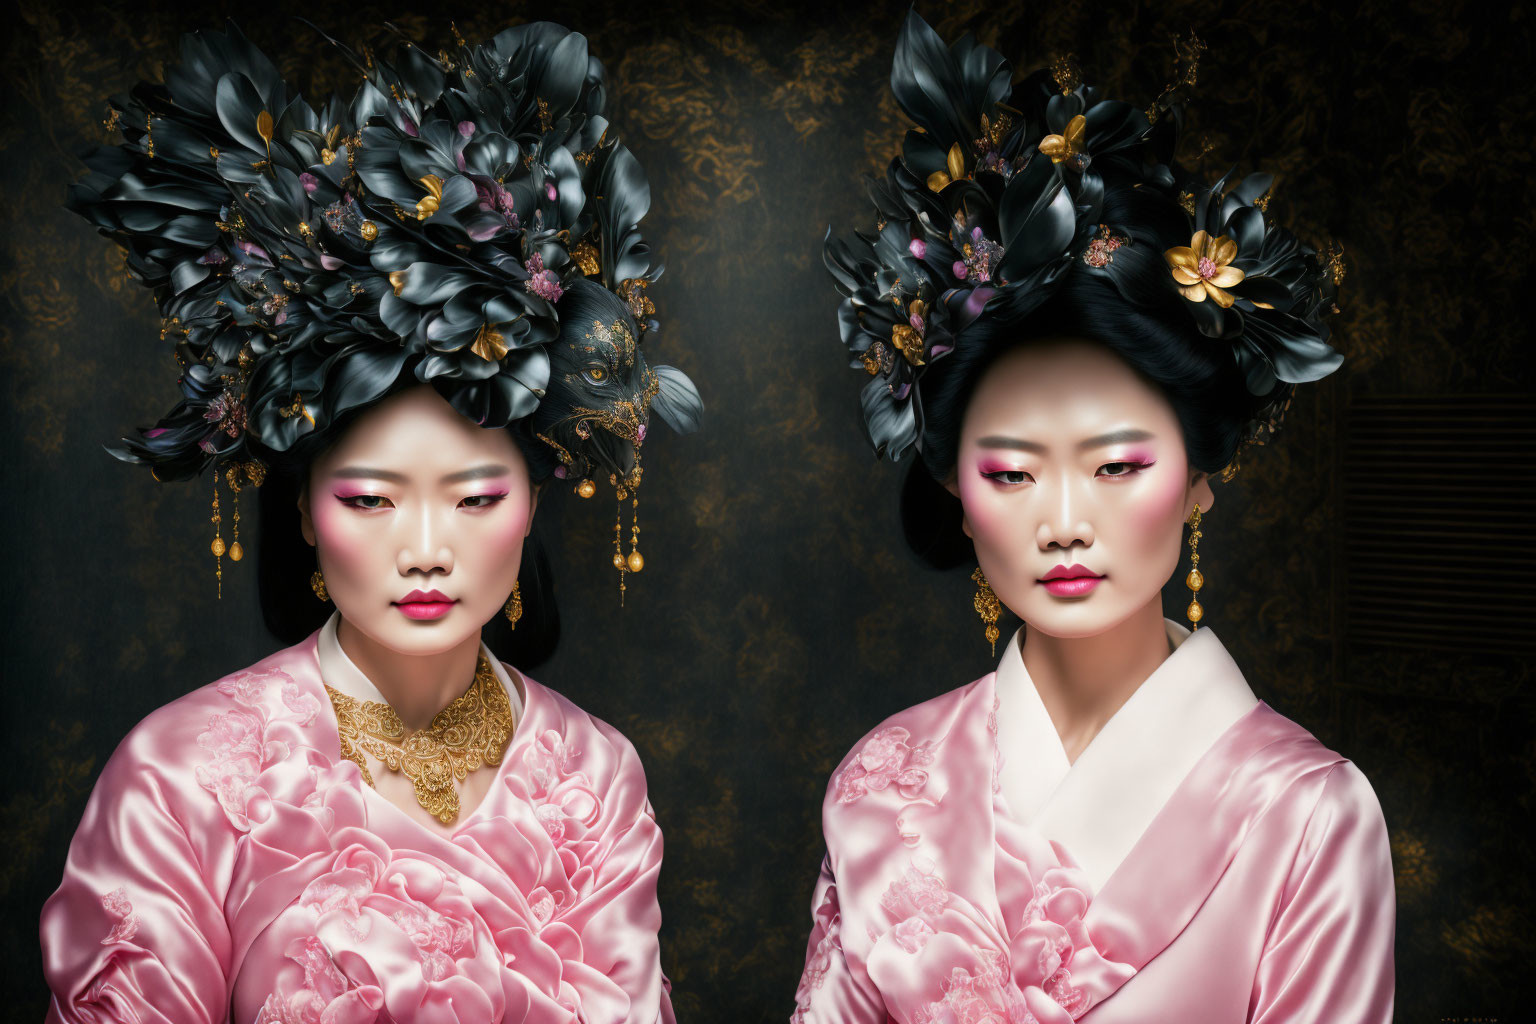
364,473
1018,443
998,441
1115,437
477,473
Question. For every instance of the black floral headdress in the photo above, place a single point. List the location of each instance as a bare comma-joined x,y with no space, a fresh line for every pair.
999,188
448,224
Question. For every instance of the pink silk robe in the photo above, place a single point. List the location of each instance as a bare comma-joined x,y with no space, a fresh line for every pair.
231,866
1235,869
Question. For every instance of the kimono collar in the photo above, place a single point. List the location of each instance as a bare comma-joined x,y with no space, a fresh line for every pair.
338,671
1098,806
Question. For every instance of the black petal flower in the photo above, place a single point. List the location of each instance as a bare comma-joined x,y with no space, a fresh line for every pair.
999,194
307,258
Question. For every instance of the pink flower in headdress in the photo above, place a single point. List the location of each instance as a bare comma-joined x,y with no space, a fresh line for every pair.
542,282
982,256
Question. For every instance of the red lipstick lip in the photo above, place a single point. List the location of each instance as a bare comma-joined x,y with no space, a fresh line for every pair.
1069,572
426,597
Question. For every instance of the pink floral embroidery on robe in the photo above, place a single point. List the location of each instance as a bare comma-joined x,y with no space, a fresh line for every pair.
252,876
118,905
885,760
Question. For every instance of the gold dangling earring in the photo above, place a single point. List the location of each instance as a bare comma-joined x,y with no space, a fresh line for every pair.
987,606
513,609
317,584
1195,580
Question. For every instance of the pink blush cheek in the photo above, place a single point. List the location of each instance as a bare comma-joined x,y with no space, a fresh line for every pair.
984,511
508,539
505,538
985,517
1159,505
973,487
334,533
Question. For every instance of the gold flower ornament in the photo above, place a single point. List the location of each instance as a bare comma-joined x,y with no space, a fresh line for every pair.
1067,145
1203,268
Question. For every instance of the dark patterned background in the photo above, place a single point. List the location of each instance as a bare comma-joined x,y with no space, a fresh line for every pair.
1366,572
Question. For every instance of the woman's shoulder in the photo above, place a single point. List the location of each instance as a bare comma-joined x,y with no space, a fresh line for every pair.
903,742
553,723
1313,779
279,680
171,748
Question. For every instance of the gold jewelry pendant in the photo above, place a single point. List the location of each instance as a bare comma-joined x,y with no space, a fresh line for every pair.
317,584
467,734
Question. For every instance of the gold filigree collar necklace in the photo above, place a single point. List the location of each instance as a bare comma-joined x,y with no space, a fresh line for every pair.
468,733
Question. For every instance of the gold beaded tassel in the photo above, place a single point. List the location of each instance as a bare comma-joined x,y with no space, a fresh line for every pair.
232,477
635,561
618,534
217,547
236,476
1194,581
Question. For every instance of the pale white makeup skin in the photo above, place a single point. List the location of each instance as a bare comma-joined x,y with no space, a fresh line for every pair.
1069,457
415,497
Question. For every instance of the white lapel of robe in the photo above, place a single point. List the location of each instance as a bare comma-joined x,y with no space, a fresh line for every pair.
1099,806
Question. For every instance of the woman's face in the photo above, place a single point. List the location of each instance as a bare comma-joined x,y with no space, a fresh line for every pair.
418,518
1071,463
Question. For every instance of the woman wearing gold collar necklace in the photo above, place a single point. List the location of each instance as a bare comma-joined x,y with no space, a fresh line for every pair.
1070,335
399,319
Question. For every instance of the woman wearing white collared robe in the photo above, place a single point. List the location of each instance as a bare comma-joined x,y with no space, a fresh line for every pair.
1203,859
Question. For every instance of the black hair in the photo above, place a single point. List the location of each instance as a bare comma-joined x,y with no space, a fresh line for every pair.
1200,381
285,561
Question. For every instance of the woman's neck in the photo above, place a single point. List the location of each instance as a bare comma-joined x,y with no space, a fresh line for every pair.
1083,681
417,686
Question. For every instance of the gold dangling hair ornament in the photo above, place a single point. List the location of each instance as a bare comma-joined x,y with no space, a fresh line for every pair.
466,735
253,473
317,584
636,561
217,547
1195,580
625,489
987,606
513,609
